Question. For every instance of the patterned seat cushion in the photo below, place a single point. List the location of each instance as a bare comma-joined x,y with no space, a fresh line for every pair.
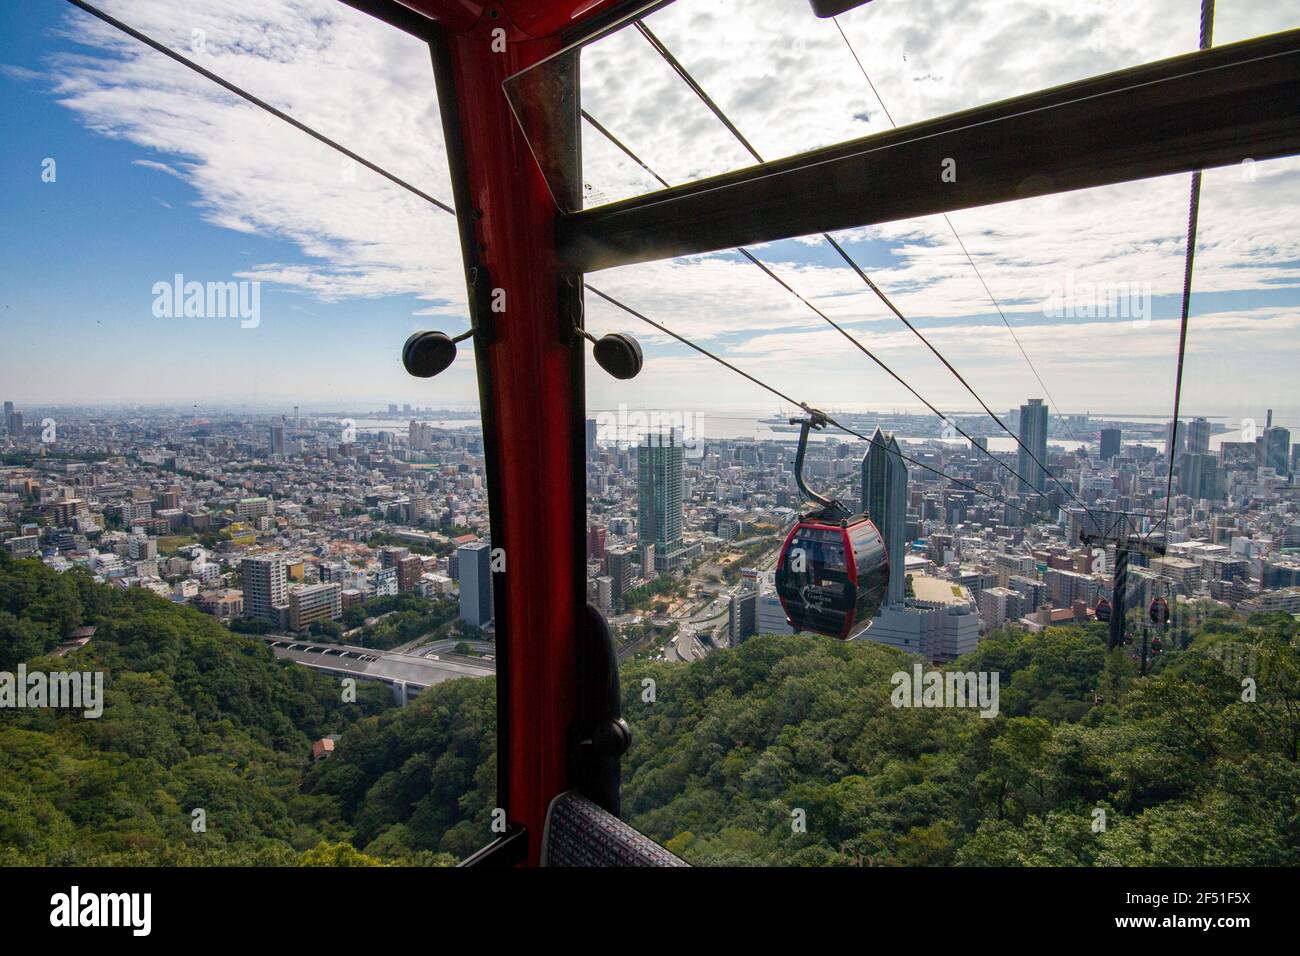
579,833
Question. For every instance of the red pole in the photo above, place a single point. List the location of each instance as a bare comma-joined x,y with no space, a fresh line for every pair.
532,397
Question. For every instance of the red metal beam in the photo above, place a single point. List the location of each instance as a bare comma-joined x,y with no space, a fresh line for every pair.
533,402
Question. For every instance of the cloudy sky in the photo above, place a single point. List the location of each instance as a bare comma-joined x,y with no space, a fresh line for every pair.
158,172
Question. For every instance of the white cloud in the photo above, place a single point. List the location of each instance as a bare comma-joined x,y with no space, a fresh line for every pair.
789,82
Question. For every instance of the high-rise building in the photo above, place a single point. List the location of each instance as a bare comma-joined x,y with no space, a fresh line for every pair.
1198,476
660,473
591,436
884,496
9,413
309,603
420,436
277,440
1033,438
743,619
382,583
769,615
618,565
1277,448
999,605
596,542
1032,590
265,586
1066,587
1175,440
475,566
129,511
141,547
64,512
1198,436
1110,440
409,570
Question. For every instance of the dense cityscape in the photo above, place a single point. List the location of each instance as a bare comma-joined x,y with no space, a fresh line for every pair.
311,530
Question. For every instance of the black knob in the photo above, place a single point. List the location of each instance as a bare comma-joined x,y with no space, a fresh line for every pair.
618,354
428,353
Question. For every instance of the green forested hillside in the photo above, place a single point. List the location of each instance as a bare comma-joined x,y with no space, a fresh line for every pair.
1185,772
725,753
195,718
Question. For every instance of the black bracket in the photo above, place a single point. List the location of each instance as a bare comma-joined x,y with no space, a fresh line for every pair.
572,310
482,324
600,736
831,509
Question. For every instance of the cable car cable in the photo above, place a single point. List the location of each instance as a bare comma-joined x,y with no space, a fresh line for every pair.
256,101
777,392
699,91
979,275
1024,483
1193,213
262,104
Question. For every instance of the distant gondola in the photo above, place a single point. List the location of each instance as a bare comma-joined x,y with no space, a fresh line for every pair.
1159,611
1102,610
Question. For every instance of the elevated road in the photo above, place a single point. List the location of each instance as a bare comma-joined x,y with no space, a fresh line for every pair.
363,663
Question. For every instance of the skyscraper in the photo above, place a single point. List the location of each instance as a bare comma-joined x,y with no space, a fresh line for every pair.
1277,446
591,436
660,471
1198,436
1175,440
1110,440
475,567
277,440
884,497
1198,476
1033,436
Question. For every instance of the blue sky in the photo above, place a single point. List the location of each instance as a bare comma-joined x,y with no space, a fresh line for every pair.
158,173
81,255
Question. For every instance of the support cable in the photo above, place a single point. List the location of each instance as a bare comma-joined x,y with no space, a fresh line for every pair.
262,104
979,275
704,97
256,101
1193,213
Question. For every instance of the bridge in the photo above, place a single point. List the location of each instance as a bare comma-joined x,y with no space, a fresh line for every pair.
407,674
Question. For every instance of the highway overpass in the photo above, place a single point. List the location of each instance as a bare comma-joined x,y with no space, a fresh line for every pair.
407,674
